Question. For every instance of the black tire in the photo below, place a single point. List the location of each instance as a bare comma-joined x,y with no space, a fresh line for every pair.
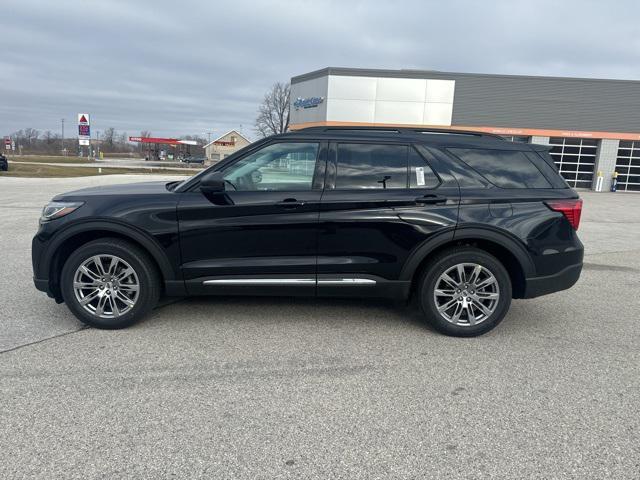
440,264
145,269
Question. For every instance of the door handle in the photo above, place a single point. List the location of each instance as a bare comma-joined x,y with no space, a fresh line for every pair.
289,203
431,199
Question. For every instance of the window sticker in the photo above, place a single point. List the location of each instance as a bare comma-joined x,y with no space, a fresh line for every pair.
420,176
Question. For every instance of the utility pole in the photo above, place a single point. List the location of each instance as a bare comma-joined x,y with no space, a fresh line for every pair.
63,152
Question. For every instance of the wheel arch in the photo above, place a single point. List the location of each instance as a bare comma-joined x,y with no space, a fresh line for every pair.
75,236
512,255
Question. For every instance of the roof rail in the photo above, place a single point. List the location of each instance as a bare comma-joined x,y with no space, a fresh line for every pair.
399,130
454,131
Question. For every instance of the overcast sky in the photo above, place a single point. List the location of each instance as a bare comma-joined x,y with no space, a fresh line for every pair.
186,67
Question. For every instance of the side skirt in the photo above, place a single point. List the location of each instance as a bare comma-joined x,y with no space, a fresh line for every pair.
325,285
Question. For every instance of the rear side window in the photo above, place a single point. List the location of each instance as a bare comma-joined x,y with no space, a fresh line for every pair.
545,164
420,173
363,165
503,168
370,166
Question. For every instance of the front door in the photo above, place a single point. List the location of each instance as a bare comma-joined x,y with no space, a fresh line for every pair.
260,234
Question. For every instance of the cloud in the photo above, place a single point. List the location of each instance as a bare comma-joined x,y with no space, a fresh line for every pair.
192,67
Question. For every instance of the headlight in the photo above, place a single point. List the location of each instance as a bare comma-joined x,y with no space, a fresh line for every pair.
55,210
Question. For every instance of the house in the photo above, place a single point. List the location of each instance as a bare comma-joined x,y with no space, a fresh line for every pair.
224,146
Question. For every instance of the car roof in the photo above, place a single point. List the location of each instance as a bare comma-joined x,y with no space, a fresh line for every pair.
428,136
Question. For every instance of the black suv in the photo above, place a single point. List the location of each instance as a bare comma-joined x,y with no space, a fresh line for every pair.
460,222
4,164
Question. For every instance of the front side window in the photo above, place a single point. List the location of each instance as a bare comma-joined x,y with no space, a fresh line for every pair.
276,167
362,165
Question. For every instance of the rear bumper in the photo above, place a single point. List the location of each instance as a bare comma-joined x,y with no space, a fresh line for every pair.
41,284
565,278
44,285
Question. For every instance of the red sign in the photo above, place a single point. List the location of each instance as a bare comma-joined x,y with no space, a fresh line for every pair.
83,119
7,140
170,141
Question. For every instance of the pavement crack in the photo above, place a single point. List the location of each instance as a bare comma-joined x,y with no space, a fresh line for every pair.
42,340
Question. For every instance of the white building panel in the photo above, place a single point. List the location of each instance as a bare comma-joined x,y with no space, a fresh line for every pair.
339,110
440,91
352,88
349,99
438,114
399,112
401,90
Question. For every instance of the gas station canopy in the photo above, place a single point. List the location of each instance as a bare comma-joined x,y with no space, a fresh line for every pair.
167,141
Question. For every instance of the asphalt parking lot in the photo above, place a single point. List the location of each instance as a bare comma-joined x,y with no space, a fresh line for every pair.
299,388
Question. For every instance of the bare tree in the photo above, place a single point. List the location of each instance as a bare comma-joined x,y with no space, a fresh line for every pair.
273,113
108,137
145,134
31,134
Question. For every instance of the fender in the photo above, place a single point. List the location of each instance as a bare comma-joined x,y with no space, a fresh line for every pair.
472,233
502,238
147,241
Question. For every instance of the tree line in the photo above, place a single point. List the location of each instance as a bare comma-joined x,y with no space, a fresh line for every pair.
30,141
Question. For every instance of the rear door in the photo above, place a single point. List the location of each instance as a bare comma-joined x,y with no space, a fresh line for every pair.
381,201
260,234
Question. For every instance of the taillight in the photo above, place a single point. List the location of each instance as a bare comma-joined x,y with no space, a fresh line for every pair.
572,209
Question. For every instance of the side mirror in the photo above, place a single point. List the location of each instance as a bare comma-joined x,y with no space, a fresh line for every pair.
212,182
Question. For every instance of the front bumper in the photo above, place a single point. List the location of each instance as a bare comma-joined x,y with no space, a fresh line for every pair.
41,278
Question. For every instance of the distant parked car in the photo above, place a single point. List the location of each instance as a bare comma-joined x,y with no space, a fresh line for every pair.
4,164
193,159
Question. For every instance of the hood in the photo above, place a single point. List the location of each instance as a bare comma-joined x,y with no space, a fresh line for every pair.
143,188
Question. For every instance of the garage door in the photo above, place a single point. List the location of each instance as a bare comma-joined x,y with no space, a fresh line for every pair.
628,166
575,158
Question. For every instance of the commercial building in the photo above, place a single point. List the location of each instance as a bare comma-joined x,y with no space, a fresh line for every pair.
592,125
225,145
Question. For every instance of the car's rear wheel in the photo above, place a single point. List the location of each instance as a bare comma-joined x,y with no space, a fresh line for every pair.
110,283
465,292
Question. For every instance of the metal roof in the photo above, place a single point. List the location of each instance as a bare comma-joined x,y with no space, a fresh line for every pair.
411,73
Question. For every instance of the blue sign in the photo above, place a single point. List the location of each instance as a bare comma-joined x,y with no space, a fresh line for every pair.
310,102
84,131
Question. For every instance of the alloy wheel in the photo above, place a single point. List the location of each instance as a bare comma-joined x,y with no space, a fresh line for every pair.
106,286
466,294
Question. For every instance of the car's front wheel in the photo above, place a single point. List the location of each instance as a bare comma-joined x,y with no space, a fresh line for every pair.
109,283
465,292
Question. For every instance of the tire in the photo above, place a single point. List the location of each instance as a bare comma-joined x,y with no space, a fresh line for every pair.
132,283
478,309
